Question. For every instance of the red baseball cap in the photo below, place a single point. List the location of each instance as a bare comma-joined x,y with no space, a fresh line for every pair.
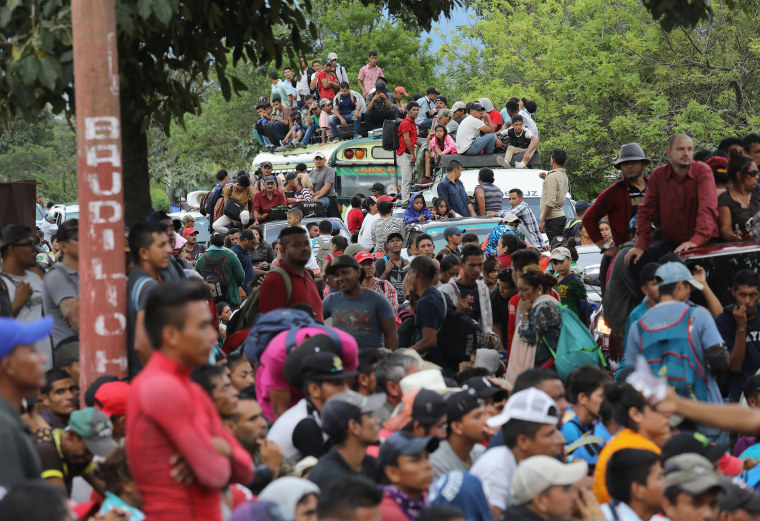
111,398
362,256
189,231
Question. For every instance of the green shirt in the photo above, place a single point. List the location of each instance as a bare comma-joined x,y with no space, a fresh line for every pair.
233,271
283,89
571,291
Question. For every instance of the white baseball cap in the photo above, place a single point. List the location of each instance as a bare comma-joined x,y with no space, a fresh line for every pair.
531,405
537,473
561,253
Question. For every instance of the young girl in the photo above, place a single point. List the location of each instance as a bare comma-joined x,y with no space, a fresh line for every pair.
440,144
224,318
491,269
417,212
441,209
241,372
570,287
604,229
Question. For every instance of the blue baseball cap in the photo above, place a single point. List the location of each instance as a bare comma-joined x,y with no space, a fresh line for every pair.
451,230
14,333
672,272
403,443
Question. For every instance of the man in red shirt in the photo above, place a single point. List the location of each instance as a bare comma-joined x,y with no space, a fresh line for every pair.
327,82
267,199
681,196
180,454
407,141
295,246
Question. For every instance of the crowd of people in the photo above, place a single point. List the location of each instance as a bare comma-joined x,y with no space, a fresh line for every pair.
372,377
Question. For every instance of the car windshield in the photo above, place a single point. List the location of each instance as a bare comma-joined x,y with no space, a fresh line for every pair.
71,215
481,229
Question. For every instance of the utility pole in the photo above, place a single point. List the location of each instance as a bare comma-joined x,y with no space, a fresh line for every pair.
102,281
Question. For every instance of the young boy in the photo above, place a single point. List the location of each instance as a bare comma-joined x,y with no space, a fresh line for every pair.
355,216
295,215
324,115
570,287
518,139
651,291
585,391
691,489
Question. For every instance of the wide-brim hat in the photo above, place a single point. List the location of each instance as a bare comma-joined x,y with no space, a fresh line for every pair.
630,152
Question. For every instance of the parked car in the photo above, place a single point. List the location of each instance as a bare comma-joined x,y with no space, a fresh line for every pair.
482,226
201,224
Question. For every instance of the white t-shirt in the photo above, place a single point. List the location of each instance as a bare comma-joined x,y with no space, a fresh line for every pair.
32,310
529,123
312,264
495,469
467,133
366,236
282,430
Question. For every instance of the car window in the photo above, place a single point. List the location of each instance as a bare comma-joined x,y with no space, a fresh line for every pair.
481,229
72,215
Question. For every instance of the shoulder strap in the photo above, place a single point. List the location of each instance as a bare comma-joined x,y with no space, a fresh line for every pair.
445,311
288,283
137,291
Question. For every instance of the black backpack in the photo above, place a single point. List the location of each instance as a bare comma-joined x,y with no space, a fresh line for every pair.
390,135
213,274
459,336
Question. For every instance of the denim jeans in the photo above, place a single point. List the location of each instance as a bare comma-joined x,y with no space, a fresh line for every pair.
308,133
276,132
334,122
426,123
487,142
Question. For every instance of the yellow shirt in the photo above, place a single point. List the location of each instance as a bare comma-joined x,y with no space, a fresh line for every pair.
625,439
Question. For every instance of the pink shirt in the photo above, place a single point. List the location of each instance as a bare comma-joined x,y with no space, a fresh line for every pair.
270,375
369,76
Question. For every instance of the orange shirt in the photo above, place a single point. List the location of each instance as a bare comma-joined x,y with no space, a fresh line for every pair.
625,439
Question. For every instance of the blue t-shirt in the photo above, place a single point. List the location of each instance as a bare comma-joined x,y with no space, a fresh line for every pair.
360,317
581,442
346,107
635,315
727,327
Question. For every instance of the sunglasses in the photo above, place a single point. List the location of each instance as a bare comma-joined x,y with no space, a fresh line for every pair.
752,173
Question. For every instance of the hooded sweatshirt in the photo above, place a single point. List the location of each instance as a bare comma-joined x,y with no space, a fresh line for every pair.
412,216
286,492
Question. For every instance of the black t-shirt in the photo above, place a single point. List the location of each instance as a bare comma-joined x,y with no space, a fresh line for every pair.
332,466
464,292
637,196
500,308
431,312
51,457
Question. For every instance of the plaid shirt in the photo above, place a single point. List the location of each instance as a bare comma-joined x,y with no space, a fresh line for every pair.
525,214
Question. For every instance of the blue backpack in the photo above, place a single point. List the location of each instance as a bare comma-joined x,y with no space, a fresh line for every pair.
576,346
670,353
268,325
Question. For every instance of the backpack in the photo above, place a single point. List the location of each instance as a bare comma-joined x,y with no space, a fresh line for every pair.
246,315
279,213
208,202
214,275
670,353
205,200
268,325
572,228
576,346
390,135
459,336
323,251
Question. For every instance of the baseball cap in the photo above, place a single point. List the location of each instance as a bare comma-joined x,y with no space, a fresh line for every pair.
477,106
561,253
187,217
558,241
461,403
582,206
363,256
443,99
265,164
510,217
381,86
189,231
404,443
111,398
690,472
459,105
431,90
14,333
346,405
672,272
246,234
485,388
696,443
96,430
329,62
428,406
400,90
537,473
394,235
531,405
292,367
332,56
269,180
323,366
451,230
320,155
340,261
14,233
737,495
353,249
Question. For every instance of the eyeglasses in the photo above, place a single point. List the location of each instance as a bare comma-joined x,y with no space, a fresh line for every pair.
753,173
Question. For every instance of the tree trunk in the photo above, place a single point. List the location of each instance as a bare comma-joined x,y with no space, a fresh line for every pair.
134,153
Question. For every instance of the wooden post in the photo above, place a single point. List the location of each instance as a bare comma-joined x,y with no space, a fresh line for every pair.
102,281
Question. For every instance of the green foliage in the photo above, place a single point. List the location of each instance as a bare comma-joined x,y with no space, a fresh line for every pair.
604,73
158,197
45,151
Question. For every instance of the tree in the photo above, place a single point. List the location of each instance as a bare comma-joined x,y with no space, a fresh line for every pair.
604,74
167,49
